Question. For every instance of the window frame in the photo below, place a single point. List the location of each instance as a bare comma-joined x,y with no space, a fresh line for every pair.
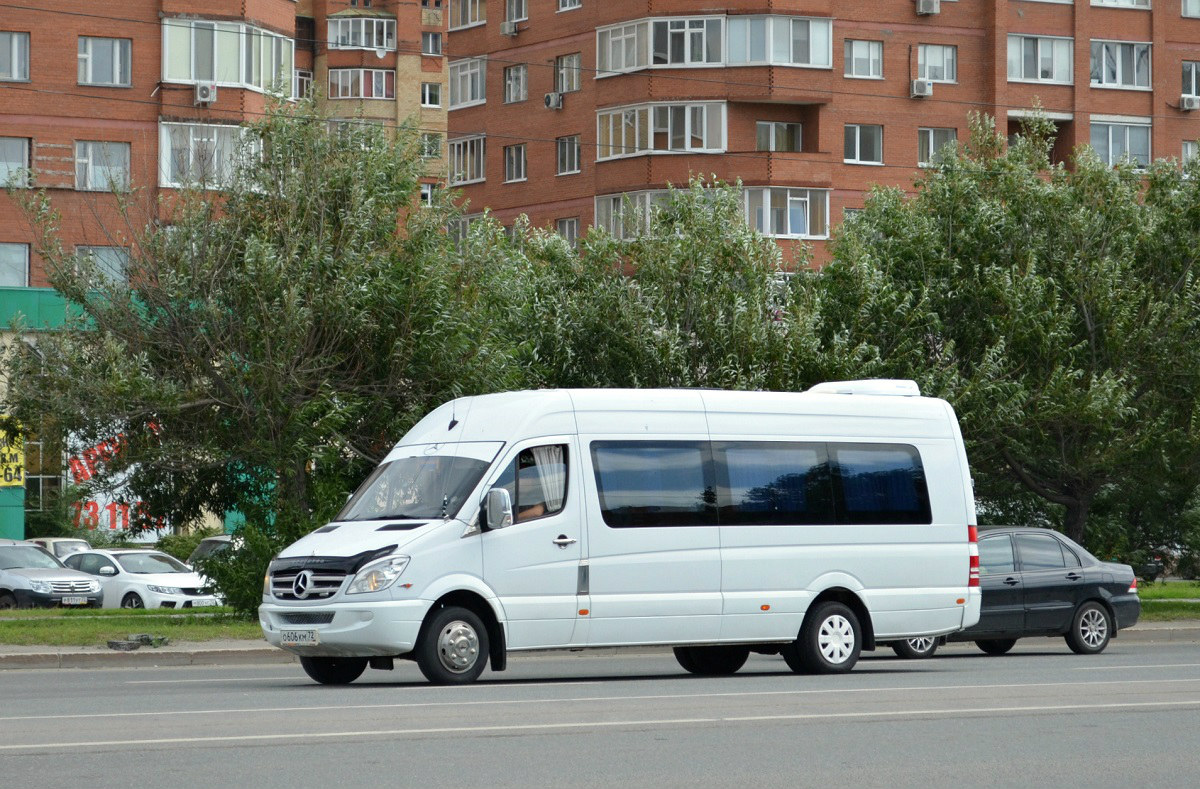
430,145
1194,67
91,250
858,146
472,151
568,149
122,62
10,167
568,228
1020,38
849,58
816,206
434,38
388,84
568,72
1190,9
381,32
931,149
431,94
949,63
516,165
516,10
474,12
469,72
1101,71
20,247
264,58
516,83
166,152
86,158
569,5
18,66
644,120
772,128
1127,126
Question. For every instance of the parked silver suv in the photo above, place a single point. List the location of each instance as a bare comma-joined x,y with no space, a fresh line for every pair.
30,577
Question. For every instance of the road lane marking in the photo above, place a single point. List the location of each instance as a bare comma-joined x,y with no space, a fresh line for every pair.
421,686
1118,668
533,727
585,699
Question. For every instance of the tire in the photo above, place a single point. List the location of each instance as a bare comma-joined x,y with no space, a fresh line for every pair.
453,648
830,641
996,646
916,648
1091,629
132,600
7,601
712,661
334,670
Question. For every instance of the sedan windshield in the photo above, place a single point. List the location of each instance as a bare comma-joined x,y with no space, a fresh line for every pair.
17,556
422,486
150,563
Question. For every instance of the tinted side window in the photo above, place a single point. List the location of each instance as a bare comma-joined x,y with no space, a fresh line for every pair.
881,483
772,483
654,483
996,555
1040,552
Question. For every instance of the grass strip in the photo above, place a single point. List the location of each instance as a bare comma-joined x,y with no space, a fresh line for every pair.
1171,590
95,627
1169,610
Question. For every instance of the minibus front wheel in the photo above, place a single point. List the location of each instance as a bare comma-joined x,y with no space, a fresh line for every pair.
453,648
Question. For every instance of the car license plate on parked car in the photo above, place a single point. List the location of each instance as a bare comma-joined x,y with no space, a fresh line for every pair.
292,638
74,601
203,601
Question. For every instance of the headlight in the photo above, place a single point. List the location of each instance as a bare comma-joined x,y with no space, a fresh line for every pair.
164,589
41,587
93,587
378,576
267,585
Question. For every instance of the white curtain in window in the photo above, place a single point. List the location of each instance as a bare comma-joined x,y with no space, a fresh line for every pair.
551,474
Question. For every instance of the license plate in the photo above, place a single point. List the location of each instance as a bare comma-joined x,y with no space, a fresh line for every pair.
203,601
294,638
74,601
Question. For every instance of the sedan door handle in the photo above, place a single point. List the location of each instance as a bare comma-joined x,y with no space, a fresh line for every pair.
563,541
1073,576
1010,581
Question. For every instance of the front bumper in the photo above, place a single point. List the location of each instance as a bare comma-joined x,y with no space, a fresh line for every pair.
377,629
30,599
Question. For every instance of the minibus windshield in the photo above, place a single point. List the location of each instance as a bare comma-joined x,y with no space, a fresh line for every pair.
427,485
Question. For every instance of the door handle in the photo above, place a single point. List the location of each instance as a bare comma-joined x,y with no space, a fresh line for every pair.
1011,581
1073,576
563,541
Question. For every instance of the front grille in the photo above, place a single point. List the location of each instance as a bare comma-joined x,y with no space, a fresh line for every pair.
69,587
191,590
307,618
321,585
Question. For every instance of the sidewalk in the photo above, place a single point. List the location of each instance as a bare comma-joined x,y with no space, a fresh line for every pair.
229,652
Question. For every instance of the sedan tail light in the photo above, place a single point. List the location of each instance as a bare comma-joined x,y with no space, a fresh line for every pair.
1133,586
973,556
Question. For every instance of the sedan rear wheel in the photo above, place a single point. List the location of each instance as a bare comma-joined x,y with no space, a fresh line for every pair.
1091,629
712,661
996,646
916,648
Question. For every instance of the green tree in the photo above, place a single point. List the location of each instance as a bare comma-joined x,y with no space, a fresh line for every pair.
1056,308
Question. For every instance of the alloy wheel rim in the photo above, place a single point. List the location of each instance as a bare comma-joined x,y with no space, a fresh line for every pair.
923,644
1093,627
458,647
835,639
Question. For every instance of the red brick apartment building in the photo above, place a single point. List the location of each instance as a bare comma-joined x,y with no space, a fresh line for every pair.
562,109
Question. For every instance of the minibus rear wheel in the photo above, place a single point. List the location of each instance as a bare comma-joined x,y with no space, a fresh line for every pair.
830,641
453,649
334,670
712,661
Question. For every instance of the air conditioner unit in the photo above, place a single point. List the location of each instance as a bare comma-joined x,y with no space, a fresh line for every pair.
927,7
1189,103
508,28
206,93
921,88
554,101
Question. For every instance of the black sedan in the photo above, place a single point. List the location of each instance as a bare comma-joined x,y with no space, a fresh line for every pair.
1037,582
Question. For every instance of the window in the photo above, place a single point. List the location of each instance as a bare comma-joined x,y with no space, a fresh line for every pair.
112,263
14,161
863,144
362,83
937,62
304,83
464,13
516,83
780,40
101,166
43,471
567,72
654,483
362,33
226,53
568,5
880,483
1125,3
467,82
1191,149
1041,552
660,127
773,483
431,43
14,265
996,555
569,229
1120,64
627,215
623,47
788,213
536,482
1114,142
864,59
195,154
14,56
514,163
1191,7
1191,78
930,142
431,145
515,11
104,61
776,136
431,94
427,194
684,42
466,160
1040,59
568,155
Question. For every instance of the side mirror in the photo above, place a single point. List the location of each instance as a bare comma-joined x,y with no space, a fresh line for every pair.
497,506
108,570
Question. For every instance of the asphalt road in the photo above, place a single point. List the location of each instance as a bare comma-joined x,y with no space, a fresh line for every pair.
1038,717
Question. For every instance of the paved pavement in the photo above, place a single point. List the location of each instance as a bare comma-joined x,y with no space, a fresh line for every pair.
235,652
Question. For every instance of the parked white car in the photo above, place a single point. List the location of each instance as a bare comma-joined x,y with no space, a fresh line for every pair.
140,578
62,547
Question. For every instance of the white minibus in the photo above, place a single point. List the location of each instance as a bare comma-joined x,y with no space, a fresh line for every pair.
813,525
